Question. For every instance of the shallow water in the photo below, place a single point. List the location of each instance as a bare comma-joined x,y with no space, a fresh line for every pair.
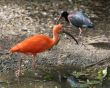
30,84
10,81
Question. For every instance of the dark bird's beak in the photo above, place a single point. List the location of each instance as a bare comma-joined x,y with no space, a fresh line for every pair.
63,31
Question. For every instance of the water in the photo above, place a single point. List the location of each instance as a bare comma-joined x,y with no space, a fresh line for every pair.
10,81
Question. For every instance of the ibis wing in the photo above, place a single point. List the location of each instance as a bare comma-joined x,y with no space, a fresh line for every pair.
79,20
35,44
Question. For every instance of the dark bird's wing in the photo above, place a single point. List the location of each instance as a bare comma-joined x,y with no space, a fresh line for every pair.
80,19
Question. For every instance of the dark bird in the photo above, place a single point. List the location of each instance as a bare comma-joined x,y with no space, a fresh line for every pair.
78,19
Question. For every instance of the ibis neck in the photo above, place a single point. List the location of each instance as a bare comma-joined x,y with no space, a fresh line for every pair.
55,37
66,18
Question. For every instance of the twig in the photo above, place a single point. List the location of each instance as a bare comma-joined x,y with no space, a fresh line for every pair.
97,63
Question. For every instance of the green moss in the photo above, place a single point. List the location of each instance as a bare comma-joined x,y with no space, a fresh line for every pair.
47,77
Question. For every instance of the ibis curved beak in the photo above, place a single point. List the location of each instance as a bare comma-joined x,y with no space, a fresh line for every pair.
63,31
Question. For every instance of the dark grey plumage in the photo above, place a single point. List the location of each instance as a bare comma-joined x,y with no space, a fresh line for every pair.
78,19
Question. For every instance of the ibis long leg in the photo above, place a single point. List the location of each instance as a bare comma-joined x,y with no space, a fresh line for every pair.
59,76
18,71
33,62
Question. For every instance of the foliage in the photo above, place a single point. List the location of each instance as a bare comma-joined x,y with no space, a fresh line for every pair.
86,80
47,77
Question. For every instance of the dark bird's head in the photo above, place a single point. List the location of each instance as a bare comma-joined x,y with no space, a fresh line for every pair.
63,14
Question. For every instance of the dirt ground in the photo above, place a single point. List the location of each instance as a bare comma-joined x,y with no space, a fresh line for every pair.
20,19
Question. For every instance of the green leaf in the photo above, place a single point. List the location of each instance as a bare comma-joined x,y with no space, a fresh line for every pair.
100,74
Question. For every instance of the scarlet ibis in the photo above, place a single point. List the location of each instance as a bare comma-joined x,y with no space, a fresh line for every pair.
78,19
37,44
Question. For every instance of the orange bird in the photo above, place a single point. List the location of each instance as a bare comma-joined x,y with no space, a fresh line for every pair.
37,44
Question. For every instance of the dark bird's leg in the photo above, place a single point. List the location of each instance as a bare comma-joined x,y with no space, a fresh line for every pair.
18,71
80,31
80,35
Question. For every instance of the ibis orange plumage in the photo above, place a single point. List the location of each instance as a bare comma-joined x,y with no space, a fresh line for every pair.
37,44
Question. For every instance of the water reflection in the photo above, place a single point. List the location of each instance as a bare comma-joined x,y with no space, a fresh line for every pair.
8,80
